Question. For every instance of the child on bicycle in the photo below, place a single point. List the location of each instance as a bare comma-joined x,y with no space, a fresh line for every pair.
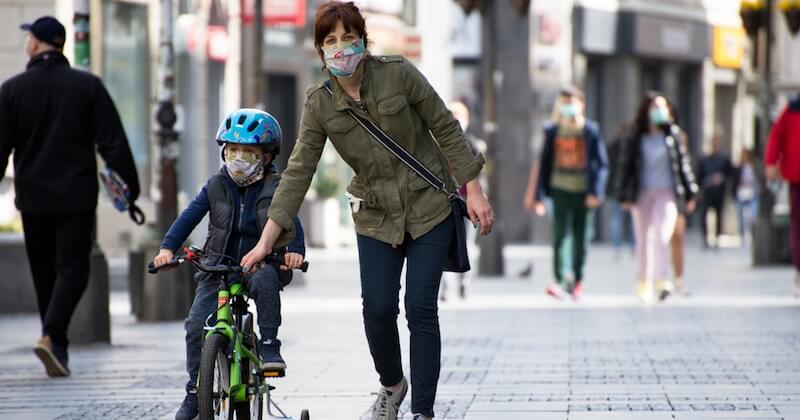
237,200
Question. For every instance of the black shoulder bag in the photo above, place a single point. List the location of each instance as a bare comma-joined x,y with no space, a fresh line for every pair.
457,258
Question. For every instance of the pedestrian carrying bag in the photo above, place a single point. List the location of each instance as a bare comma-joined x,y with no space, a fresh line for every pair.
457,258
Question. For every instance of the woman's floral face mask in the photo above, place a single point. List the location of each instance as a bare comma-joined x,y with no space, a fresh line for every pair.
243,166
342,59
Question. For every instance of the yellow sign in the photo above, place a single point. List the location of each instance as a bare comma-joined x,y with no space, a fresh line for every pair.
729,46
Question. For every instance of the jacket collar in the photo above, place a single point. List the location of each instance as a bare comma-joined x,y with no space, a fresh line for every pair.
47,59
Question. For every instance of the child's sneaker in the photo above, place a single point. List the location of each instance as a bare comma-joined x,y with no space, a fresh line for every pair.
270,353
189,409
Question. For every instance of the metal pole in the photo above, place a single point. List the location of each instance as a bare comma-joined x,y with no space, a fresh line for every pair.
258,99
166,117
491,246
82,47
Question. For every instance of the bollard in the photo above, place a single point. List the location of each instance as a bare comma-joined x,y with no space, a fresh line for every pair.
136,273
91,322
168,295
17,294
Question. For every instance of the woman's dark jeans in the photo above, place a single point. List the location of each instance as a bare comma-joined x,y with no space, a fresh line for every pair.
381,265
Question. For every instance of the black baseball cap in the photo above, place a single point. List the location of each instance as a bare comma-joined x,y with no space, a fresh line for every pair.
47,29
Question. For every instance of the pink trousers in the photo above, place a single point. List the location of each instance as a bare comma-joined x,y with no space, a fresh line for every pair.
654,217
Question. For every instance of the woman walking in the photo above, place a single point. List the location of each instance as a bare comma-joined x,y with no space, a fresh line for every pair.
573,170
655,180
398,216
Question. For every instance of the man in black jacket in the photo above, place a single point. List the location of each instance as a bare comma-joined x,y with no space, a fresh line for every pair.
52,117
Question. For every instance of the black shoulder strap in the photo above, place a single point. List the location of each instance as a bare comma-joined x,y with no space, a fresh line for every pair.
373,129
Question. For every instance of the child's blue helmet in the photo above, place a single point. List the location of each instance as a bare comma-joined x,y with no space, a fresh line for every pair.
251,127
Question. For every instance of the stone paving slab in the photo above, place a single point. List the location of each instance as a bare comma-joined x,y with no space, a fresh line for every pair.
507,353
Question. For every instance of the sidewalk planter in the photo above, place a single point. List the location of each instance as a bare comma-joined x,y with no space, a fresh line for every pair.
323,228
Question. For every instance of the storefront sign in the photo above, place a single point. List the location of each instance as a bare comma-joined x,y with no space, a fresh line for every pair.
276,12
729,46
662,37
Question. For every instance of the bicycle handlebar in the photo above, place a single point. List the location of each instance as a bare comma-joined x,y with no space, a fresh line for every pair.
192,255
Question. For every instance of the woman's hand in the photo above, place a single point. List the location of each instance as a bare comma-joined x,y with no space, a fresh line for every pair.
539,208
292,261
478,207
164,257
264,246
255,256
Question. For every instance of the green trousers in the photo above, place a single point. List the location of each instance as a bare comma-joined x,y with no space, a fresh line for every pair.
572,218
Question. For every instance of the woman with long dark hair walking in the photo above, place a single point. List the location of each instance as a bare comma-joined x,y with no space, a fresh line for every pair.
656,182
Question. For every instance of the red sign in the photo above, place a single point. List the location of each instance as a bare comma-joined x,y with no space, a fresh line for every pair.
276,12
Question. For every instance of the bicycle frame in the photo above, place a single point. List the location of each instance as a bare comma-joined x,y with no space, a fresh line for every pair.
226,325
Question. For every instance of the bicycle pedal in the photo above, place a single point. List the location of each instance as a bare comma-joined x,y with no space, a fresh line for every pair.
274,373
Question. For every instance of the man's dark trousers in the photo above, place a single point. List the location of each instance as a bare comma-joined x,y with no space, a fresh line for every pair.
59,247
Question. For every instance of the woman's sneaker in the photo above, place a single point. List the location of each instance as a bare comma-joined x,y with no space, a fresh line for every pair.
189,409
388,403
270,353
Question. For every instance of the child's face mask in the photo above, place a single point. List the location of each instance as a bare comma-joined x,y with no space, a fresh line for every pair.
244,167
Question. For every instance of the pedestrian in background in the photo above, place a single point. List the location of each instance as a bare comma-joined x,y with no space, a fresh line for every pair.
52,117
782,159
678,241
655,180
745,192
573,169
714,175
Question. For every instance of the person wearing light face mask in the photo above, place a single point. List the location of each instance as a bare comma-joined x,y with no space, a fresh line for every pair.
655,181
236,200
400,219
573,170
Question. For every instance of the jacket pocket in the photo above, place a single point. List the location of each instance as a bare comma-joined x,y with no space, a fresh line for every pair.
392,105
341,124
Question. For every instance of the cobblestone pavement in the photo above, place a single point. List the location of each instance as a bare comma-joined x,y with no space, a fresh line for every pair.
731,351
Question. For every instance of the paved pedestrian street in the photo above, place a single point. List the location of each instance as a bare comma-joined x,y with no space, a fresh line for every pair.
730,351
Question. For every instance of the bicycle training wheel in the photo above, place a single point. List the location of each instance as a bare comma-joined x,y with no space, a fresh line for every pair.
213,395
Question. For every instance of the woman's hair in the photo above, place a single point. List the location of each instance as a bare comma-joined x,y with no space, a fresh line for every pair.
642,121
328,14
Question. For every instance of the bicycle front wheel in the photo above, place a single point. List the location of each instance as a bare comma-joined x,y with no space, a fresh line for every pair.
213,394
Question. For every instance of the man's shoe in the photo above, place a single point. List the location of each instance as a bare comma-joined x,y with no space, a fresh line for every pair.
388,403
556,291
188,410
270,353
53,356
419,417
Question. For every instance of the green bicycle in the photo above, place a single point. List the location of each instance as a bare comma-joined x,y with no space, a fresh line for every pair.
230,381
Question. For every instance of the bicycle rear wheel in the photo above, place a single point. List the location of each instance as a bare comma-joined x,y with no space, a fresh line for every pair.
252,409
213,394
